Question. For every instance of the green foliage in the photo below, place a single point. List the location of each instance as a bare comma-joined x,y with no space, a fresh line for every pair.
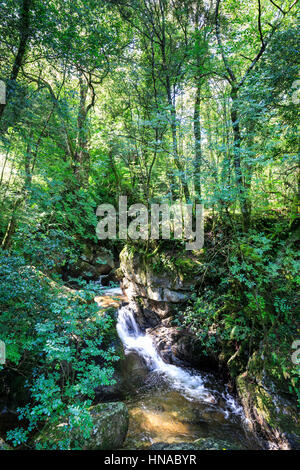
254,306
147,100
60,340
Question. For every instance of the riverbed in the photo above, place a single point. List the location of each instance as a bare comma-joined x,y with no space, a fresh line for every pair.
173,404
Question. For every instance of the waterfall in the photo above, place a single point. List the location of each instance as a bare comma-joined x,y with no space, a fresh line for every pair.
99,281
189,384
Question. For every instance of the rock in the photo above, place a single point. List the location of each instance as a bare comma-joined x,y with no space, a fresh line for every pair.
140,277
156,294
4,446
92,264
178,346
165,337
110,425
130,374
174,296
133,371
271,415
158,310
200,444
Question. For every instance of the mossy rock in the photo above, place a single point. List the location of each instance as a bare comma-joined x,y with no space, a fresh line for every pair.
271,415
236,364
200,444
110,426
4,446
188,267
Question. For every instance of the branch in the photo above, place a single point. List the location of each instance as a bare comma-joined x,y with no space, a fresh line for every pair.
91,87
231,77
281,10
277,6
264,42
259,24
245,57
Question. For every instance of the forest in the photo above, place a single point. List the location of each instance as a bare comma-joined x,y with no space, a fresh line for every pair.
136,342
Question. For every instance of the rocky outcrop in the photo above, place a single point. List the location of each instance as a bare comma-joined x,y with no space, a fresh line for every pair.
155,295
159,289
92,264
271,415
110,425
156,292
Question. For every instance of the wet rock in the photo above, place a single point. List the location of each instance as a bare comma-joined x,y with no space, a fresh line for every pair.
271,415
134,371
164,338
178,346
200,444
110,426
130,374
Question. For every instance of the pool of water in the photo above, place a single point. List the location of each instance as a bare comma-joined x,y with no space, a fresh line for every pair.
165,415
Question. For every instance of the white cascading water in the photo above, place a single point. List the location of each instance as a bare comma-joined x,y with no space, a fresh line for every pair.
133,339
189,384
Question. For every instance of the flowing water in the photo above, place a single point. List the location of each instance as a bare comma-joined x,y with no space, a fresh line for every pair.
175,404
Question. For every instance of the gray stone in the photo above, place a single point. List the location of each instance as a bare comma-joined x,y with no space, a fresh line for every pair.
174,296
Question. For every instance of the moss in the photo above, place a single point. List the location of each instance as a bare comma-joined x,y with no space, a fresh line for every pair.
187,267
181,264
110,425
271,414
237,363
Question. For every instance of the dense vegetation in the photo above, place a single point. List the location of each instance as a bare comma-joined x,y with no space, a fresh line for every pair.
161,101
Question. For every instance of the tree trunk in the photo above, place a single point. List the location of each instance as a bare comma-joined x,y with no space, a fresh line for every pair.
24,32
198,152
11,227
81,155
237,159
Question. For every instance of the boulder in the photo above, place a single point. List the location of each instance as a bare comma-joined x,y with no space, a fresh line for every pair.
92,264
130,374
155,293
110,425
271,414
